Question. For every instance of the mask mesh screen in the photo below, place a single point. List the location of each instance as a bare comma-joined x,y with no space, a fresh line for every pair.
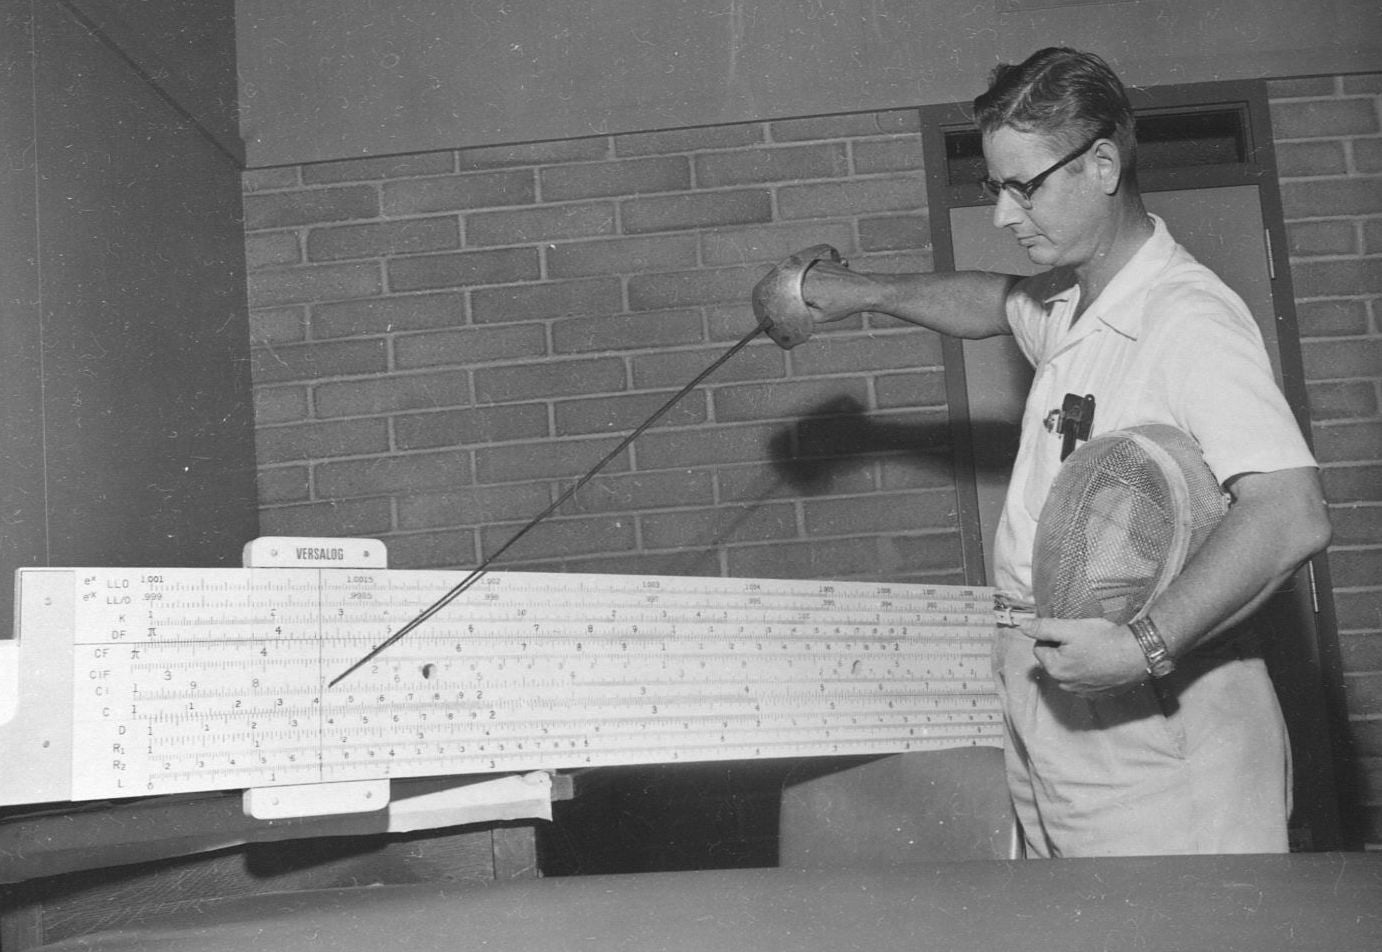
1125,512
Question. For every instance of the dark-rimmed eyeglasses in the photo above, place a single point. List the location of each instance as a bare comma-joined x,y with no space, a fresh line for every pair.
1022,192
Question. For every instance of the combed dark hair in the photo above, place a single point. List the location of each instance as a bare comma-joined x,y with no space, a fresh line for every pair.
1063,94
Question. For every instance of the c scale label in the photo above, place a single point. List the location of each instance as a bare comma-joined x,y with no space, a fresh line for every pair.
205,679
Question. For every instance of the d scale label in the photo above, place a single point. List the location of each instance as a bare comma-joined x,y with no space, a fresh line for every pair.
134,682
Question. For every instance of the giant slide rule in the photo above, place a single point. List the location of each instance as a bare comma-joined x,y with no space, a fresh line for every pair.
127,682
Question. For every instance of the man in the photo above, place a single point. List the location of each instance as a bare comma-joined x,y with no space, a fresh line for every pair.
1103,758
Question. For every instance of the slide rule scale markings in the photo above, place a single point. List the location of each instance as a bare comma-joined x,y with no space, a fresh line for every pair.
203,679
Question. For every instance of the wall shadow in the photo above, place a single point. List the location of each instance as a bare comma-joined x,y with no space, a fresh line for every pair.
832,437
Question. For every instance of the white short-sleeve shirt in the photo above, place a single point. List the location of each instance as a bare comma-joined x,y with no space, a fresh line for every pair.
1166,342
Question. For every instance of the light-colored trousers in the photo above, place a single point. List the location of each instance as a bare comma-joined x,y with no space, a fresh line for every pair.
1197,762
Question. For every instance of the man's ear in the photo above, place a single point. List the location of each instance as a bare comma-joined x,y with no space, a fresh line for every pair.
1109,164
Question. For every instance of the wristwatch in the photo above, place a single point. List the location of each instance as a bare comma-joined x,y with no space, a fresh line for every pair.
1159,660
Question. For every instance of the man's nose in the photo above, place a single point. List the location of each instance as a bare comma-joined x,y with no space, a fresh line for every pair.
1006,211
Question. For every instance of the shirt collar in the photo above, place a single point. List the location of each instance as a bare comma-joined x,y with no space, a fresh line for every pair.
1146,262
1114,306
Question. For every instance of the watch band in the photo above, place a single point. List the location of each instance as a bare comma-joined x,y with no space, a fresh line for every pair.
1159,660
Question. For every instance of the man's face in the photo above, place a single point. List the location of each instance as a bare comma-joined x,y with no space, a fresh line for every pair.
1066,220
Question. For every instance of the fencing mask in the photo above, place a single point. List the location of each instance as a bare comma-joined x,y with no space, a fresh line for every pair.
1125,512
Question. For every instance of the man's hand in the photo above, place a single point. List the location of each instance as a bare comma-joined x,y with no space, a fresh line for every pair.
1088,656
833,292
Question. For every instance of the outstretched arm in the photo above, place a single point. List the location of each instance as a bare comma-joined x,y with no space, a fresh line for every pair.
966,304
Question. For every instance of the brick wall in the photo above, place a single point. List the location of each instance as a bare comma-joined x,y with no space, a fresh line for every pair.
444,342
1329,156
